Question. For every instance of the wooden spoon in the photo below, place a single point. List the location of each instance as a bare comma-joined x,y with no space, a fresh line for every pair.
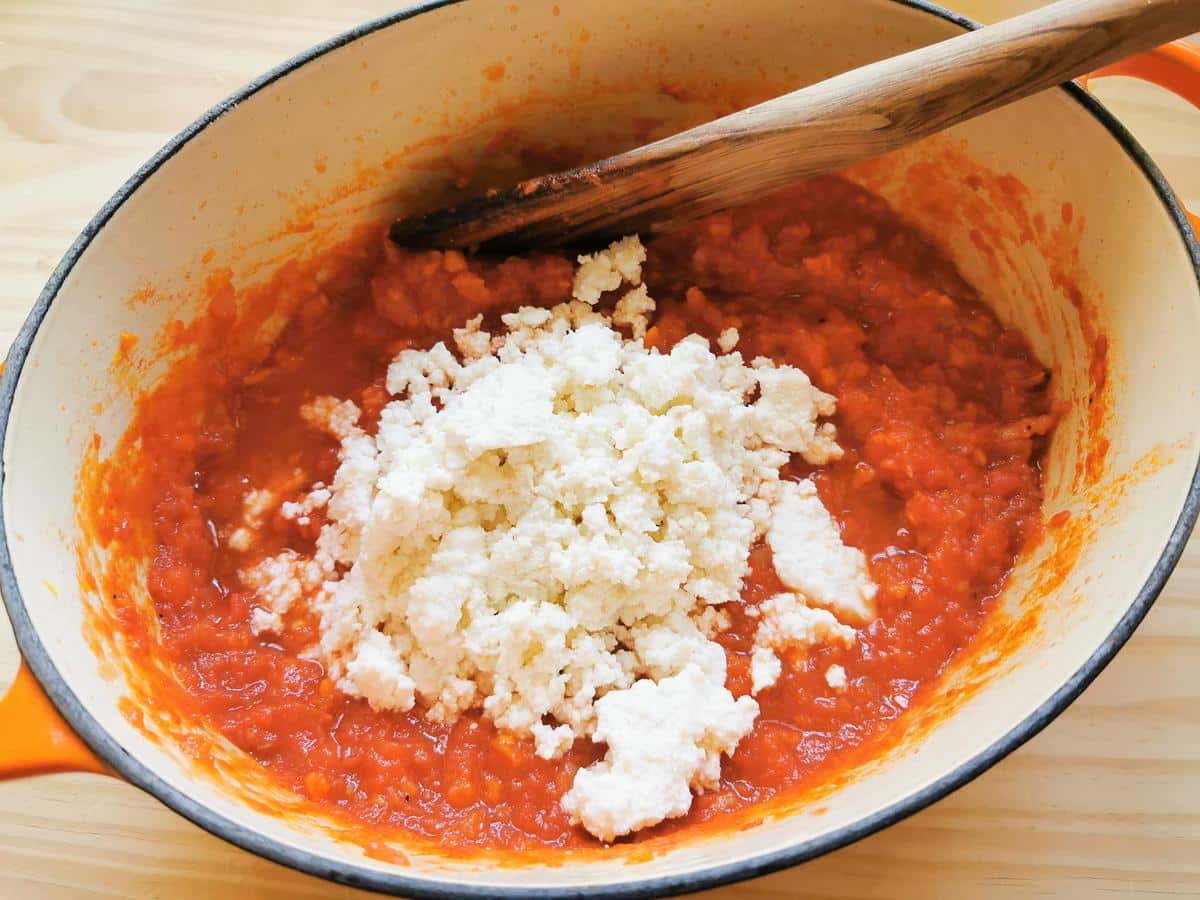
848,118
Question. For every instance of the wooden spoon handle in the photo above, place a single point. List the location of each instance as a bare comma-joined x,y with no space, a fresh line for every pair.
845,119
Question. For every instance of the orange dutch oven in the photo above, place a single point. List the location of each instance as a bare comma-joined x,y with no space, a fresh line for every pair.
1114,270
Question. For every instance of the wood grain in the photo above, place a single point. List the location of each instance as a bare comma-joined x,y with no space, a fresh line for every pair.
854,116
1104,803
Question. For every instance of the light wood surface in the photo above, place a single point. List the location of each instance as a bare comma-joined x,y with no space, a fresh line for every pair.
851,117
1104,803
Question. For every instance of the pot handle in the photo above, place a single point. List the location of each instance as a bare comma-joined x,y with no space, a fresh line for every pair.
1174,67
37,741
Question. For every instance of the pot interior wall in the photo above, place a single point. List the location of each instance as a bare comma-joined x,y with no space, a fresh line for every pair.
367,129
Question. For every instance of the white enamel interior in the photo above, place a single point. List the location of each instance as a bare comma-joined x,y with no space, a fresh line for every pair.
423,77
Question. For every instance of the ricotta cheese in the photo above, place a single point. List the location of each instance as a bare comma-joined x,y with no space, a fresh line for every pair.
784,621
664,739
728,339
545,526
835,677
255,506
810,558
633,310
606,270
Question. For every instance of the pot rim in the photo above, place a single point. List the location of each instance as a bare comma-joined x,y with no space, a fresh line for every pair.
348,873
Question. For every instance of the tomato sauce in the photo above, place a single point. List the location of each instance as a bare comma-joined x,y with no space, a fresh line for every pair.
943,414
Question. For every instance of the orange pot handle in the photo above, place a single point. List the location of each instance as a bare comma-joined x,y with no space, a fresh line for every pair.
1175,67
36,739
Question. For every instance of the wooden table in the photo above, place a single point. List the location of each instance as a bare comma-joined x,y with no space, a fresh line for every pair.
1106,802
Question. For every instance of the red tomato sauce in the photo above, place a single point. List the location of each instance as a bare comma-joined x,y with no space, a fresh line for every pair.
943,414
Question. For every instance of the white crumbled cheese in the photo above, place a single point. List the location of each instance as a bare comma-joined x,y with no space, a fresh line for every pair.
664,739
785,388
471,340
633,310
240,539
545,527
606,270
765,668
711,621
258,504
278,582
835,677
728,339
551,742
338,417
811,559
785,621
377,672
255,506
315,499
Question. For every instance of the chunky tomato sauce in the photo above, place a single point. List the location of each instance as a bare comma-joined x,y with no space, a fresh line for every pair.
943,414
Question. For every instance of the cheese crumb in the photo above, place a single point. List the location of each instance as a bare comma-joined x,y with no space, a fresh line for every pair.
811,559
664,739
765,668
606,270
785,620
255,506
552,742
317,498
545,526
633,310
835,677
471,340
786,388
728,339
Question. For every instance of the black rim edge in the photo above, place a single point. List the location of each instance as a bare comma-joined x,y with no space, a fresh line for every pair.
105,746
